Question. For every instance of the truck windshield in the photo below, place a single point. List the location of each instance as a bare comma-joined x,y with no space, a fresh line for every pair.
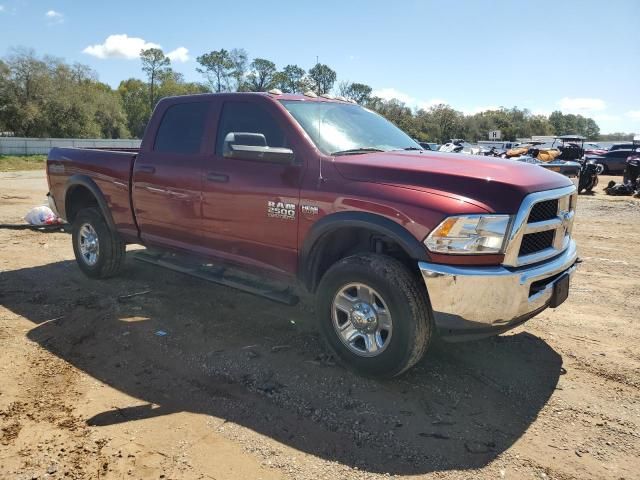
347,129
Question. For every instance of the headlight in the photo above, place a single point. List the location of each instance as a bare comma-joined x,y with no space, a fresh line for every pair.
471,234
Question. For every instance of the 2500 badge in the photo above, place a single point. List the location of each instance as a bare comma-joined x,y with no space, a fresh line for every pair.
286,211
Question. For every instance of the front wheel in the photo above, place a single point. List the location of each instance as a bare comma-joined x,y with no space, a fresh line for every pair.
99,251
374,314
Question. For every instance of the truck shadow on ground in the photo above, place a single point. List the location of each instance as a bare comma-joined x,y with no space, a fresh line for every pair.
190,346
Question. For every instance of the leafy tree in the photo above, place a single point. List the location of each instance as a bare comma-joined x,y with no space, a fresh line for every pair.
44,96
396,112
569,124
322,78
261,75
239,58
359,92
4,95
291,79
133,94
218,68
172,83
616,137
26,85
591,129
154,63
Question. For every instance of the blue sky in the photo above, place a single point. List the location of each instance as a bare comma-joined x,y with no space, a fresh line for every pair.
576,56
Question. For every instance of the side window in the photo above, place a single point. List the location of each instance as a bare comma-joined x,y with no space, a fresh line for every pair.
181,128
248,118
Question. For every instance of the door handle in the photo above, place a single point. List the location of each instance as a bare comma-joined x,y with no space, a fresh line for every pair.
146,169
217,177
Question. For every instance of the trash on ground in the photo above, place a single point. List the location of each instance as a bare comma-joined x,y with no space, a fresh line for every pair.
161,333
279,348
131,295
42,215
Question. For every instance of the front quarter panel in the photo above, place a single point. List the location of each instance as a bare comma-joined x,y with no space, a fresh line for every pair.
416,211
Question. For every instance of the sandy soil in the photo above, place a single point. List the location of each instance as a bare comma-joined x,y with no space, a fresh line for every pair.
193,380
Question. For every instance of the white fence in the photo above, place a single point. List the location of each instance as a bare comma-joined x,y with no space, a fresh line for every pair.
41,146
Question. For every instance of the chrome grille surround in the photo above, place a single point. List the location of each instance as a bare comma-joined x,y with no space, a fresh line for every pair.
561,224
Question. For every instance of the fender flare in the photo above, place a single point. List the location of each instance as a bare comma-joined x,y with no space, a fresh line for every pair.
335,221
87,182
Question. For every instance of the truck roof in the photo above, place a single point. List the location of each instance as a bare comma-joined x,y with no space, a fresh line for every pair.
306,97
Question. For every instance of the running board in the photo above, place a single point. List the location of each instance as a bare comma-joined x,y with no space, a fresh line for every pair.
221,276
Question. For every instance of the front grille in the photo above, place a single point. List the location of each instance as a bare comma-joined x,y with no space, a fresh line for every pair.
536,242
545,210
542,227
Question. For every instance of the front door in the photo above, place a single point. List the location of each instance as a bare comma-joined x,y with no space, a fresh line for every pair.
250,207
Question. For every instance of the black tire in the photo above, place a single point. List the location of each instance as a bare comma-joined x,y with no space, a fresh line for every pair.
605,169
405,299
111,249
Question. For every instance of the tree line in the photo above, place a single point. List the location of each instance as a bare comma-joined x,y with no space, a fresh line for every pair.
46,97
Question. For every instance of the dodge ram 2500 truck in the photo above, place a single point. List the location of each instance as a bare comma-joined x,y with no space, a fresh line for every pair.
317,196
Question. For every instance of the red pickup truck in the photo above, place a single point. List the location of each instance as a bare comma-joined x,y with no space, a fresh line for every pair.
297,194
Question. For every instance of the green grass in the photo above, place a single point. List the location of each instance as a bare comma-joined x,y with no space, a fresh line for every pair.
10,163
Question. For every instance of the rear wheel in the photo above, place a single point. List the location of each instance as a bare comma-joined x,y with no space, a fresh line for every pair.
374,314
99,251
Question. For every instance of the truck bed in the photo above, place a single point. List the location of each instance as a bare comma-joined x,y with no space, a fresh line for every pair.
110,169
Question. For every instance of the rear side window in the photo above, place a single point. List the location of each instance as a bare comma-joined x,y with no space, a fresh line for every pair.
181,128
248,118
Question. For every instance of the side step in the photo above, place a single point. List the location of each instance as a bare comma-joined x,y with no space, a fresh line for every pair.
220,275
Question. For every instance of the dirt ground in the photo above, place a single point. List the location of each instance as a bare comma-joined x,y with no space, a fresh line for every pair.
196,381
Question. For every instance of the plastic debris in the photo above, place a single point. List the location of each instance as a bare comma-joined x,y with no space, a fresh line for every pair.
131,295
161,333
279,348
41,215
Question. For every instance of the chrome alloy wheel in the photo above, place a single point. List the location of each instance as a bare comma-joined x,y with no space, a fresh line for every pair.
88,244
361,319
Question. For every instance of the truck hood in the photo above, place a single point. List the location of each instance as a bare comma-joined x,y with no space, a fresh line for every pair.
496,183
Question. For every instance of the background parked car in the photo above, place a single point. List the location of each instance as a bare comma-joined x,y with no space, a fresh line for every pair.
621,146
614,160
591,148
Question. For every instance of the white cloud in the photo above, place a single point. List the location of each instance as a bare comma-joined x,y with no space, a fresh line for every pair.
582,105
180,54
391,93
633,114
120,46
54,17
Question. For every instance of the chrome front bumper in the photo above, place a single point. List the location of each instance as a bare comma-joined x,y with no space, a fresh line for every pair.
480,301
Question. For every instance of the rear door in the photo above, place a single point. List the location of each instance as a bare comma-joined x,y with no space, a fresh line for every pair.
167,178
250,207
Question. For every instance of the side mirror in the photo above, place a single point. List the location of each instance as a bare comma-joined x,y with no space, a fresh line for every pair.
253,146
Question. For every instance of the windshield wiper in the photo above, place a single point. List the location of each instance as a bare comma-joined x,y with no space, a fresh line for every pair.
413,148
356,151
